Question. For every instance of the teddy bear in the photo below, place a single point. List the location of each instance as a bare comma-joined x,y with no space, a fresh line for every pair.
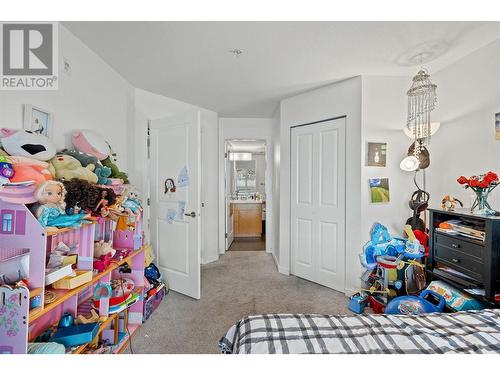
67,167
103,174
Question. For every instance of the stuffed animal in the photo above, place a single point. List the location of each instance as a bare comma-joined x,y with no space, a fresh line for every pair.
103,248
67,168
449,203
115,171
90,143
103,174
28,169
24,143
132,203
83,158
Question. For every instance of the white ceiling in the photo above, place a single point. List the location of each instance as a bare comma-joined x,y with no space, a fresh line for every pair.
247,146
189,61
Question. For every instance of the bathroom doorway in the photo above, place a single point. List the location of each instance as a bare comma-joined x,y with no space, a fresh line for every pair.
245,192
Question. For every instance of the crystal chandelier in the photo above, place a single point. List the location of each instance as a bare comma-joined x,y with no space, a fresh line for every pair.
421,102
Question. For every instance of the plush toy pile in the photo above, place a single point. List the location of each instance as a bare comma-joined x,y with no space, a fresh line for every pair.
67,187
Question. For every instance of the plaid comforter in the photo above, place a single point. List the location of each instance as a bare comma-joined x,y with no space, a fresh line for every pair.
462,332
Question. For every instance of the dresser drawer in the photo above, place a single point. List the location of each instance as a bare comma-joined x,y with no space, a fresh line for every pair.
463,246
464,257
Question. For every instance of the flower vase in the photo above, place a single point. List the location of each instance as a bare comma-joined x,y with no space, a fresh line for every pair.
481,203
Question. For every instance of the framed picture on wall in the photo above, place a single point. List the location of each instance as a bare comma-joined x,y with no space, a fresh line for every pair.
37,120
376,154
379,190
497,126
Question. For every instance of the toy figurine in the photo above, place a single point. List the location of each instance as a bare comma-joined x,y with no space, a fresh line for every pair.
449,203
51,211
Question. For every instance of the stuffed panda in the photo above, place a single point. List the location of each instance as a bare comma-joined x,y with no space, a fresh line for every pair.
19,142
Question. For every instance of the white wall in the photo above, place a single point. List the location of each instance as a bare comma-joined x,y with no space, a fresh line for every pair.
93,97
384,117
150,107
339,99
468,98
275,157
246,128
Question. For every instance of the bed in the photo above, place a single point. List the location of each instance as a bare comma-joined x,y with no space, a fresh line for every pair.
461,332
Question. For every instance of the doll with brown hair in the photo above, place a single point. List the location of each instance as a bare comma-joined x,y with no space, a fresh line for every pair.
51,210
89,197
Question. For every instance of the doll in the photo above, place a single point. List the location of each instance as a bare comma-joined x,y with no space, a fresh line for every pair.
132,203
51,209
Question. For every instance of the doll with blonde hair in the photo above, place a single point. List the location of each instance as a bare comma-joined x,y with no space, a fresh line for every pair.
51,209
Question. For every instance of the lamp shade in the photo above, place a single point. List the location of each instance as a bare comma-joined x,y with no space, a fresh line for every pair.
409,164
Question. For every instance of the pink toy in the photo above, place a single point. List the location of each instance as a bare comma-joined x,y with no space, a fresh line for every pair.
14,306
90,143
24,143
102,263
22,194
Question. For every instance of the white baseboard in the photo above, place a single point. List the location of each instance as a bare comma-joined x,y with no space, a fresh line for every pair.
283,270
211,258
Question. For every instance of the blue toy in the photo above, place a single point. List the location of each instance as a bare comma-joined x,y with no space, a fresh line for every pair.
357,303
415,305
381,243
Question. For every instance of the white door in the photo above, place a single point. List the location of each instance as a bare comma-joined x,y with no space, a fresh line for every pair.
175,212
318,202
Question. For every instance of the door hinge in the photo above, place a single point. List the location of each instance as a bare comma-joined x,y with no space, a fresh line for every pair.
225,155
226,235
148,141
149,201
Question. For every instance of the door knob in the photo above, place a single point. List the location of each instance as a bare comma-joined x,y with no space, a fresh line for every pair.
192,214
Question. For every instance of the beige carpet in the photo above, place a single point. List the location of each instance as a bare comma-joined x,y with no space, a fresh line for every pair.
241,283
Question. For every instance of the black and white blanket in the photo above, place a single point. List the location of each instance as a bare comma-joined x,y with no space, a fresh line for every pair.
462,332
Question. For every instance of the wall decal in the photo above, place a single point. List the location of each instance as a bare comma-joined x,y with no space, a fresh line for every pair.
183,178
169,185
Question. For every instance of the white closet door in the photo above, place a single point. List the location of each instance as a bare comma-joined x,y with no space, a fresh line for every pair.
318,202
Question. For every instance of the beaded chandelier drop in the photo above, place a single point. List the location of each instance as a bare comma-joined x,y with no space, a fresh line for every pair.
421,102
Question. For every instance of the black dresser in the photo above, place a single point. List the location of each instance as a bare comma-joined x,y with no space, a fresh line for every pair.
466,263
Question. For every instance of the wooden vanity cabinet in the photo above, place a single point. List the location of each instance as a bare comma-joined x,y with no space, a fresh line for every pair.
247,219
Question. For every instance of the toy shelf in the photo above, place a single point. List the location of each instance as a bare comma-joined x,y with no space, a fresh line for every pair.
23,237
64,295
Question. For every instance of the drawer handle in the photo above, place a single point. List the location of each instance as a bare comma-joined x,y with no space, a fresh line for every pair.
455,245
455,260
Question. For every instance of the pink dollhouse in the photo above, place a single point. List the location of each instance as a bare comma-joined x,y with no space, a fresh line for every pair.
24,249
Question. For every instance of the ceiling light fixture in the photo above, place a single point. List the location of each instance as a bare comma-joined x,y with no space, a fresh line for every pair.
240,156
421,102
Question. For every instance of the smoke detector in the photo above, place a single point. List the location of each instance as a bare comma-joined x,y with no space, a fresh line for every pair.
236,52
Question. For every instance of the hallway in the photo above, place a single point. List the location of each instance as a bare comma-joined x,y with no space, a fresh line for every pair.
239,284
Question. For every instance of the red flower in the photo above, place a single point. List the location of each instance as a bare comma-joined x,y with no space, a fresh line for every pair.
491,177
473,183
462,180
484,184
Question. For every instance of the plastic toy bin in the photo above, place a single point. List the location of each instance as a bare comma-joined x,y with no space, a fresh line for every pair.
76,335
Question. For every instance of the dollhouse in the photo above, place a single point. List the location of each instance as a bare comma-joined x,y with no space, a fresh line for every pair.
28,312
